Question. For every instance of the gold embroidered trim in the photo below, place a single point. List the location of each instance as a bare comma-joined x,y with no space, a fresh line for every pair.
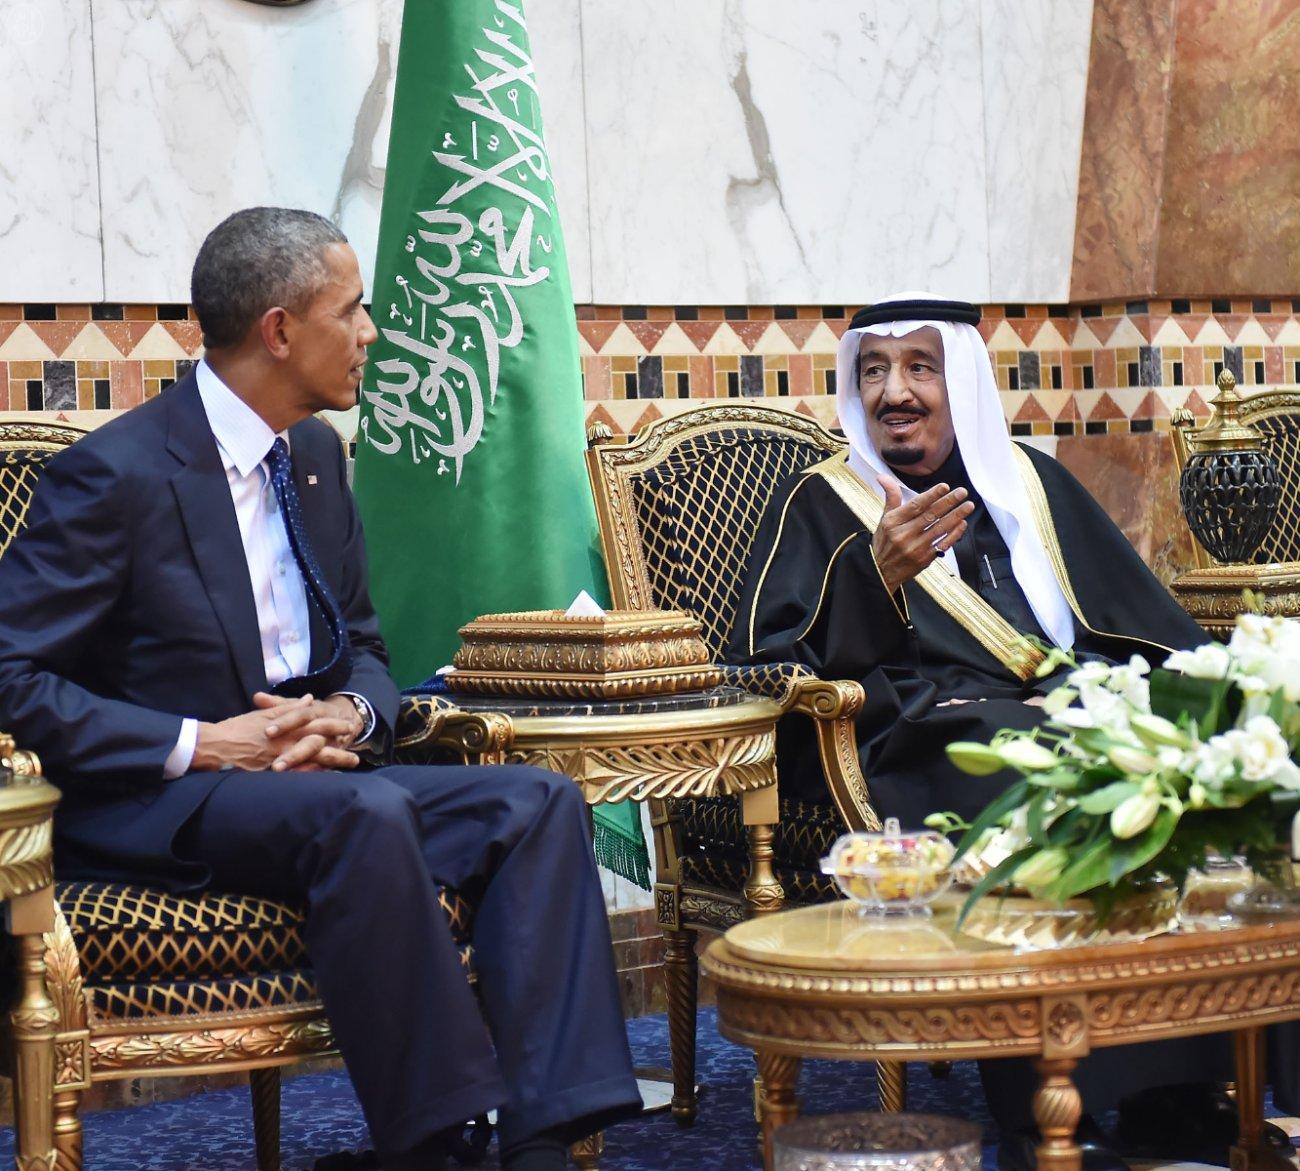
1046,527
983,623
762,577
826,580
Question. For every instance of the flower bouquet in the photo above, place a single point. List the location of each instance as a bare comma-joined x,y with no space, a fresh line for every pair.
1140,774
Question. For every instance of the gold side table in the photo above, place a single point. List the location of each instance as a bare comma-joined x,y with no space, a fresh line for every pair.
27,887
827,982
657,748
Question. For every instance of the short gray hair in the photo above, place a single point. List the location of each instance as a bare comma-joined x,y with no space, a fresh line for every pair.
255,260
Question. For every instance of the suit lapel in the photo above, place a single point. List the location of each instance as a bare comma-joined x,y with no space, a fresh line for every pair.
208,513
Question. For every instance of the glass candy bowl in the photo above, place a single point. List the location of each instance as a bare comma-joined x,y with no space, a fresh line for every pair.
891,873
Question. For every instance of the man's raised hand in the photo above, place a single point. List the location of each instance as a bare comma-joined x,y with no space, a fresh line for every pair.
910,536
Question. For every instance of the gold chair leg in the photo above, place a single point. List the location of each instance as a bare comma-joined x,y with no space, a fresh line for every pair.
67,1130
891,1079
33,1023
265,1087
586,1152
681,979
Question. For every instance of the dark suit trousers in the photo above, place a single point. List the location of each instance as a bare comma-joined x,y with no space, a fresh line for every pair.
363,851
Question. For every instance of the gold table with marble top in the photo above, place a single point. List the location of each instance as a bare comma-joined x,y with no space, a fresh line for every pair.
828,982
27,888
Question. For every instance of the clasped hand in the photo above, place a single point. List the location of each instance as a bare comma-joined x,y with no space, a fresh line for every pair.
910,536
283,735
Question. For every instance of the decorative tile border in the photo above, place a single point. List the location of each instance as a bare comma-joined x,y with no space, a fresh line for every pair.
1062,370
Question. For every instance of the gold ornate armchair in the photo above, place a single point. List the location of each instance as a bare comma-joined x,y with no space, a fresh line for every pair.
148,983
1212,592
679,505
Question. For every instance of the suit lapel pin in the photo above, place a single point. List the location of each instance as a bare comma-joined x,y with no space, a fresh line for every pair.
311,479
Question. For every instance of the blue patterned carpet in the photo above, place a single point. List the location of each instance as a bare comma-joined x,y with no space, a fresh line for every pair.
213,1131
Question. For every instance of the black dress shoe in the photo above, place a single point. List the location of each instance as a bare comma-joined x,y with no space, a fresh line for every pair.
1195,1122
1018,1150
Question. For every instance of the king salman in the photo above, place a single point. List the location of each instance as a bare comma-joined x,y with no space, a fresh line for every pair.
937,563
940,564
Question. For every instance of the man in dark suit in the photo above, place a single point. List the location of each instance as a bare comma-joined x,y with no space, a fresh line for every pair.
187,641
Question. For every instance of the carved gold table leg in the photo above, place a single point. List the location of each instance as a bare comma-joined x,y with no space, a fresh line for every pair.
778,1103
1057,1109
760,811
586,1152
1249,1152
681,980
34,1021
891,1079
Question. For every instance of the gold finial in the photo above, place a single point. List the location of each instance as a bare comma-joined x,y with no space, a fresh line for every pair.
599,433
1226,430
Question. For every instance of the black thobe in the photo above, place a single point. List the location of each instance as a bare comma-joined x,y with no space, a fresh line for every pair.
813,595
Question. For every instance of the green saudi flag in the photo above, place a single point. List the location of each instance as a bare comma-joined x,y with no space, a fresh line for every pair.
469,470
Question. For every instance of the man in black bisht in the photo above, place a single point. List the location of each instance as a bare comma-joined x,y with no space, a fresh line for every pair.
916,563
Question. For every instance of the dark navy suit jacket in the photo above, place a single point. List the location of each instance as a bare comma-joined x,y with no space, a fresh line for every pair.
126,605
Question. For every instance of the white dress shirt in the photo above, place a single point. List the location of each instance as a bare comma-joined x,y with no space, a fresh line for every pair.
279,593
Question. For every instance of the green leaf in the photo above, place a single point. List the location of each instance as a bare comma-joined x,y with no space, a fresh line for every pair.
1174,695
1087,871
1108,798
1064,830
1062,779
995,877
992,813
1130,854
1035,819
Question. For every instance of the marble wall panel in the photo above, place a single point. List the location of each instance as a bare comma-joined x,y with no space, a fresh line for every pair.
206,106
1123,149
740,156
49,175
1035,59
1230,215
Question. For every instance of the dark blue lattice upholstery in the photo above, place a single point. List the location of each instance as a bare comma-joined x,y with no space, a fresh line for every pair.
698,511
145,952
772,680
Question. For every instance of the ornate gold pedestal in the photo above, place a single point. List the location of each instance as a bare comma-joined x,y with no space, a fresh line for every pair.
1214,596
26,884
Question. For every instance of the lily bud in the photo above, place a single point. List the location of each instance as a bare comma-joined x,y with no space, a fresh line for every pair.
1132,760
1043,868
977,759
1157,732
1197,796
1133,815
1028,756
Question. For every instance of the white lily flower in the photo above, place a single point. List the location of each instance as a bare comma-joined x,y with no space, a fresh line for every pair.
1209,661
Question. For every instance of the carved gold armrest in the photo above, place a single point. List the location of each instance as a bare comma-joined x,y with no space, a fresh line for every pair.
834,706
428,722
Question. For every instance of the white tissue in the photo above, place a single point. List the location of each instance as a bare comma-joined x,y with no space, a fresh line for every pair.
584,606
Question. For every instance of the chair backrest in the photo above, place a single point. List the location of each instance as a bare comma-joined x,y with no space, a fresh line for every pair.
24,450
1275,413
679,504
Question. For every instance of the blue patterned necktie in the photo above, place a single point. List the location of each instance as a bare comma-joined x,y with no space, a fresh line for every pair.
335,673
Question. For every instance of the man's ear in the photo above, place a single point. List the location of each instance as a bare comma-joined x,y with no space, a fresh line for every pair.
275,337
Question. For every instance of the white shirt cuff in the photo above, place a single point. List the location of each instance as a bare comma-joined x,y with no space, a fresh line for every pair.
369,730
178,759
